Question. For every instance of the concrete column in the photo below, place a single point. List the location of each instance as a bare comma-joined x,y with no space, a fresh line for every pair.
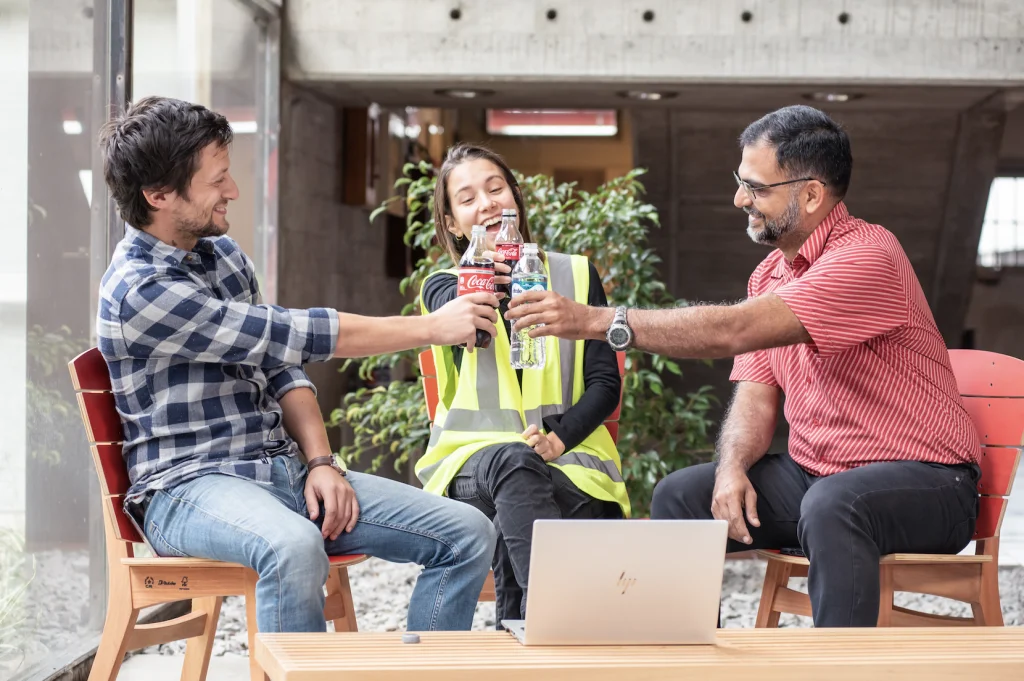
975,160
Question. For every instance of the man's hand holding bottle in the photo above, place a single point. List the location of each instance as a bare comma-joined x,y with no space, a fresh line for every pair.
457,321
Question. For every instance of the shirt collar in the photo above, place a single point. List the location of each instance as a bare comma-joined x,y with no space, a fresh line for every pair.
161,249
815,244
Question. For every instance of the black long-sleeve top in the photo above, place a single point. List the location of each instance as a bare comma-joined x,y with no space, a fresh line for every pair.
601,380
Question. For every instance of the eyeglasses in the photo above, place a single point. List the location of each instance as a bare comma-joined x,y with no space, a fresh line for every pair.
751,191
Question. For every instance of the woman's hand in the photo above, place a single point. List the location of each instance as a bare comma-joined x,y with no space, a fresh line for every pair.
502,272
549,447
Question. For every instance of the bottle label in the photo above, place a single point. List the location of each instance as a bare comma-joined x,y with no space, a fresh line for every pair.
510,251
473,279
522,285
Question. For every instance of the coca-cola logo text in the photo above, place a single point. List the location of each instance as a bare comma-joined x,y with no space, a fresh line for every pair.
476,280
510,251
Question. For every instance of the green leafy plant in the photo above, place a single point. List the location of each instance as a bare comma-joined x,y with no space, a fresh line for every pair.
50,415
659,431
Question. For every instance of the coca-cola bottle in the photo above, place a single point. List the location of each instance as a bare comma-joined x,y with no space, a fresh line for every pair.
509,243
476,273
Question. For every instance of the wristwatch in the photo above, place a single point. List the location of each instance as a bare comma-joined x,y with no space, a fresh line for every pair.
325,461
620,336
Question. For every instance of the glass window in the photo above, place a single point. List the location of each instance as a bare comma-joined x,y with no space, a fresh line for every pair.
207,52
52,559
1002,232
52,591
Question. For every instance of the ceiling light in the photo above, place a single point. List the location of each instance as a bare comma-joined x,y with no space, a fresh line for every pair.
647,95
464,94
72,127
833,96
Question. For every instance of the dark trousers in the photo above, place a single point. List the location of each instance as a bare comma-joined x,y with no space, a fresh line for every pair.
513,486
844,522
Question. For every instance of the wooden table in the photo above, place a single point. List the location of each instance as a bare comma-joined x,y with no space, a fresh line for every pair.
987,653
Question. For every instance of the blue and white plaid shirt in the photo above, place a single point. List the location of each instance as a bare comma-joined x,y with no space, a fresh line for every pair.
197,364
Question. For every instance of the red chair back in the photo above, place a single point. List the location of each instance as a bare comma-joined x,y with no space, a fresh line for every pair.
91,379
430,390
992,389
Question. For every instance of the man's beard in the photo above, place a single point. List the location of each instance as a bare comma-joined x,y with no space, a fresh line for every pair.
200,229
773,229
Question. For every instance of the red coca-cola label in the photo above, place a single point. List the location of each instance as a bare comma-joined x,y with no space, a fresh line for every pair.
510,251
473,279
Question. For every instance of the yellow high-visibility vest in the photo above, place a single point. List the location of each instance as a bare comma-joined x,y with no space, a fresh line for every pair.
481,403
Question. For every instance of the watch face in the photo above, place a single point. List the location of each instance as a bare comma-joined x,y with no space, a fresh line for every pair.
618,336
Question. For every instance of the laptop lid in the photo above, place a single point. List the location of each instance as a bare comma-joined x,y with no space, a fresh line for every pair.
625,581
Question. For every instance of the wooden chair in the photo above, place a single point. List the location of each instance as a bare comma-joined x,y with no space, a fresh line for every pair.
135,583
431,395
992,387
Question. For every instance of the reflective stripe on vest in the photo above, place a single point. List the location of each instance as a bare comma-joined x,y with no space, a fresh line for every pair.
483,404
590,461
562,282
490,417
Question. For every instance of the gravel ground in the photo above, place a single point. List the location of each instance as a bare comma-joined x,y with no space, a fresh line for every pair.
51,615
381,593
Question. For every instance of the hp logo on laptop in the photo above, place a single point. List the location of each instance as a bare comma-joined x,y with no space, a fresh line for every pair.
625,582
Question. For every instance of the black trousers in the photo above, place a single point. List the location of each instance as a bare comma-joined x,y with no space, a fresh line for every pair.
842,522
513,486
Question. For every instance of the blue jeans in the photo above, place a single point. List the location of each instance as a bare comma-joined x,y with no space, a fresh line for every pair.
268,529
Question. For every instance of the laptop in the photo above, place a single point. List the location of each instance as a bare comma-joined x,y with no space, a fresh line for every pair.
623,582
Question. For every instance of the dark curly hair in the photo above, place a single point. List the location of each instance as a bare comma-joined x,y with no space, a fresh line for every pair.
156,144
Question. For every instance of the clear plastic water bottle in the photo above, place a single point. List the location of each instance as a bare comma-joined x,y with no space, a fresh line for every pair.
529,275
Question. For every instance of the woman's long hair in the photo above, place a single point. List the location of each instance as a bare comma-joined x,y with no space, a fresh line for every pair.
460,153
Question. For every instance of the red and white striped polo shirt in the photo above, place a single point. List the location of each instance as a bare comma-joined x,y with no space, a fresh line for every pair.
875,382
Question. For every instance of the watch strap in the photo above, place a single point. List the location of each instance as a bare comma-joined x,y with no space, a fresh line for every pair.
318,461
619,322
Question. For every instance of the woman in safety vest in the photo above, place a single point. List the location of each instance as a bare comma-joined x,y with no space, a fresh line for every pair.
520,445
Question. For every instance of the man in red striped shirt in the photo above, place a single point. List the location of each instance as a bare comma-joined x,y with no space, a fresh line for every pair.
882,454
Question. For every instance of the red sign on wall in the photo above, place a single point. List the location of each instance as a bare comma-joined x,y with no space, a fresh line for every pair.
552,122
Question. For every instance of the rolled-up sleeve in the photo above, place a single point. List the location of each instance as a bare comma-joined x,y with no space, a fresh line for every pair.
285,379
170,316
755,367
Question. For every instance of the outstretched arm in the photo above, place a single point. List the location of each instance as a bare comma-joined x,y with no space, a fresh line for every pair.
701,332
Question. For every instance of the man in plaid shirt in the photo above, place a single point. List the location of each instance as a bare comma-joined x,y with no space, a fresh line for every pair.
226,447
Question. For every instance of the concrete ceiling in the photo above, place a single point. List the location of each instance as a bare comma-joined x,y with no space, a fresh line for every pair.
697,96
